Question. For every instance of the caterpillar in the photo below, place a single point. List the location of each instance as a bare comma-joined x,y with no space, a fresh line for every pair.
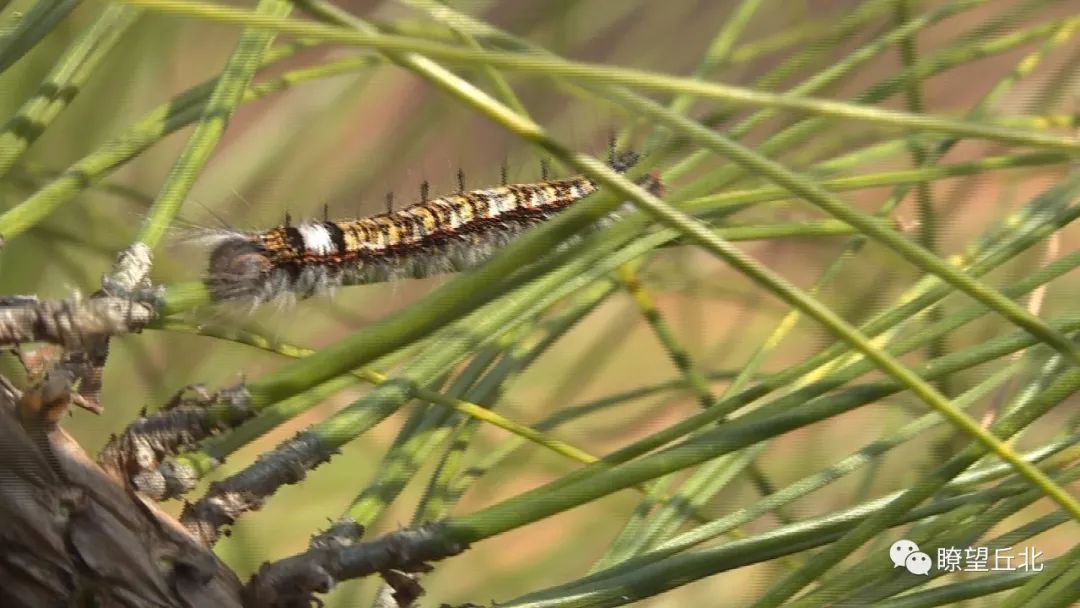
439,236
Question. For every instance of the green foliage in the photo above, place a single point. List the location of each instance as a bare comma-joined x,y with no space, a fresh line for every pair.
846,321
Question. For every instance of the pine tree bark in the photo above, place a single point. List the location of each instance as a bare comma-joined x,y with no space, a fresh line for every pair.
71,535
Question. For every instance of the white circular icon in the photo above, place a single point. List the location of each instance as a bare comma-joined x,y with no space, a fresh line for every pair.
918,563
900,550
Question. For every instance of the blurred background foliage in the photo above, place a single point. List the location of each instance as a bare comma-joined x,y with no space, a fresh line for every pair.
346,140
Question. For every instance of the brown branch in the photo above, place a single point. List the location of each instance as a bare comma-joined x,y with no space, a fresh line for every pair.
293,581
133,456
246,491
126,303
72,323
129,277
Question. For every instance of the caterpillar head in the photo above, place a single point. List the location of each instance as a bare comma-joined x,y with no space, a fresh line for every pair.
239,267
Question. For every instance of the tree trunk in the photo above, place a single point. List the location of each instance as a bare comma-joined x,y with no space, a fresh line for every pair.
71,535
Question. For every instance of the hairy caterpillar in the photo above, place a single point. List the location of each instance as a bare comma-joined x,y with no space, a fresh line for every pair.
438,236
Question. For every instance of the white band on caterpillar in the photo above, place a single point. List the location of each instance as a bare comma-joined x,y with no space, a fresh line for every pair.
317,240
